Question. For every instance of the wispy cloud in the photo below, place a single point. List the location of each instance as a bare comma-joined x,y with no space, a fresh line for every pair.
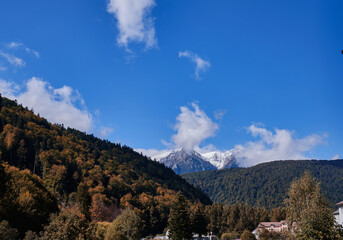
278,145
62,105
219,114
134,21
3,68
200,64
335,157
16,45
13,60
104,132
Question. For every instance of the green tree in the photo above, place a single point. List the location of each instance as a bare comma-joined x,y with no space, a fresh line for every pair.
84,198
199,220
179,220
307,207
247,235
125,227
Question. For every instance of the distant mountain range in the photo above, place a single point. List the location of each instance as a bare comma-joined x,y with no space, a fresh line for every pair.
182,161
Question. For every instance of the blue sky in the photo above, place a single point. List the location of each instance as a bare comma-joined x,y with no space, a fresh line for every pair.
244,71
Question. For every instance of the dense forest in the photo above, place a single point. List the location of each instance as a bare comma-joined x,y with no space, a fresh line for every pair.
267,184
46,168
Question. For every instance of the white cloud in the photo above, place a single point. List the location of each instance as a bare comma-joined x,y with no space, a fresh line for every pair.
16,45
335,157
219,114
151,152
105,132
193,127
13,60
134,21
278,145
8,89
206,149
56,105
200,64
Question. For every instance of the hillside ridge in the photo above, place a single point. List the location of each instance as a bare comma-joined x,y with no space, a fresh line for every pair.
266,184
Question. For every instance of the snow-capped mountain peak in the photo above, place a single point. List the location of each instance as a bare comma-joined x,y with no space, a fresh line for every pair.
221,159
182,161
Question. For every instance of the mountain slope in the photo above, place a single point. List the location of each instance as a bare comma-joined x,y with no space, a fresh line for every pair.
66,159
267,184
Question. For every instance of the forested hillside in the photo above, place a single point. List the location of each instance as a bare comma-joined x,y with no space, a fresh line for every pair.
101,177
267,184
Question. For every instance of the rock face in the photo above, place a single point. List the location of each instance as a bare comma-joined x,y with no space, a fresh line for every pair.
182,161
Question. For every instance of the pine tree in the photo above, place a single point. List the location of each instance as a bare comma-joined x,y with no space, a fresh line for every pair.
84,199
199,220
179,220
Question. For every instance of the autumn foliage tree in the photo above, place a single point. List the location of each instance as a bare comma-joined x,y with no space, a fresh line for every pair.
309,210
125,227
25,203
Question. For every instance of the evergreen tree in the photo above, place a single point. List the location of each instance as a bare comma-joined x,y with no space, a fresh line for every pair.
199,220
84,199
308,208
179,220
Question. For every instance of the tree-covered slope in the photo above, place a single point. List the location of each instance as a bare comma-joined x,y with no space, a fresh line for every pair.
267,184
100,175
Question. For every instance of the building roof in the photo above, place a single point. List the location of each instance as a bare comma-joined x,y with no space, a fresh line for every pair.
339,204
269,224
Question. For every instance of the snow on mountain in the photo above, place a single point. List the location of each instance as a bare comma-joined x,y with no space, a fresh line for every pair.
221,159
182,161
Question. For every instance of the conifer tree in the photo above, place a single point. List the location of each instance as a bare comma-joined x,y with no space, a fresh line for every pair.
199,220
179,220
84,199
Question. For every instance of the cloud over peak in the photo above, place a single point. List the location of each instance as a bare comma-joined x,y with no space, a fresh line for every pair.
200,64
134,21
193,126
